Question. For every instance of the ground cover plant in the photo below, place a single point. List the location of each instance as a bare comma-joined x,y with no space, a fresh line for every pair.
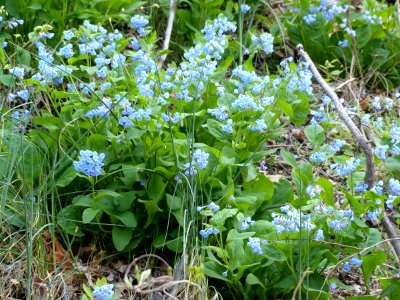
212,176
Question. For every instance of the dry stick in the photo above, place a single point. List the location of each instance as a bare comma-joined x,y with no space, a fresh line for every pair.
366,147
168,31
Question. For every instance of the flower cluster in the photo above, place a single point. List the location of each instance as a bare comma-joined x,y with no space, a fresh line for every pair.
104,292
199,162
90,163
255,244
347,168
246,222
337,219
205,233
292,220
347,266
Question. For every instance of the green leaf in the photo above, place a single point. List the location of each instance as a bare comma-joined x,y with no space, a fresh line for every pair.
127,218
233,234
315,134
89,214
328,191
286,108
393,164
69,219
357,207
156,188
373,237
7,80
262,185
134,133
66,177
152,209
289,158
370,262
283,192
364,35
121,237
252,279
221,216
82,200
214,269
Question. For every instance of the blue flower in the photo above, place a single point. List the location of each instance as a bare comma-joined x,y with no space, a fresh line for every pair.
220,113
225,273
319,236
266,41
344,43
68,34
318,157
394,186
373,216
310,18
361,187
66,51
90,163
200,158
104,292
377,103
228,126
214,207
138,22
336,145
244,8
346,168
332,287
23,94
355,262
17,71
246,222
346,267
255,245
380,151
313,191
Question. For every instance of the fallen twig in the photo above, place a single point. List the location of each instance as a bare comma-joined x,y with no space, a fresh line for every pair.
168,31
366,147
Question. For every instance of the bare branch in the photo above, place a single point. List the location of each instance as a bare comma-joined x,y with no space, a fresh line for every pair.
168,31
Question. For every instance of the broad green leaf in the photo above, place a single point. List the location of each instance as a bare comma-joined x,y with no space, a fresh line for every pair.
214,269
69,219
233,234
89,214
355,204
66,177
393,164
152,209
315,134
283,192
222,215
127,218
289,158
82,200
328,191
156,188
370,262
134,133
252,279
121,237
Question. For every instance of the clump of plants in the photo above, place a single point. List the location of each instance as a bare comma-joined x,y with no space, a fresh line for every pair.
177,160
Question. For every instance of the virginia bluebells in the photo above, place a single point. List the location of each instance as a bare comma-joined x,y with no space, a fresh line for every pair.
104,292
90,163
318,157
319,236
347,168
17,71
